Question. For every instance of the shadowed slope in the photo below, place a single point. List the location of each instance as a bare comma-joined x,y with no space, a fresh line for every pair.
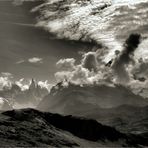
29,127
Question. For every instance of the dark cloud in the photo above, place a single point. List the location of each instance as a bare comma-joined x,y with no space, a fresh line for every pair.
90,61
122,60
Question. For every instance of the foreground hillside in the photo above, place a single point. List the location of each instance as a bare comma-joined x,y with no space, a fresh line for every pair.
29,127
125,118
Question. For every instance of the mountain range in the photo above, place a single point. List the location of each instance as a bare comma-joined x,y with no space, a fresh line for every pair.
14,97
115,106
75,98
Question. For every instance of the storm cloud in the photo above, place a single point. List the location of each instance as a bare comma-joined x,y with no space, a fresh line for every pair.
123,59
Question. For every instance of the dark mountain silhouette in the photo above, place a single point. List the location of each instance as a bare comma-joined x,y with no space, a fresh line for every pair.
29,127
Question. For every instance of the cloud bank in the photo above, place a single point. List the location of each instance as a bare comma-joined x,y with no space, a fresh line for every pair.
108,22
124,69
101,22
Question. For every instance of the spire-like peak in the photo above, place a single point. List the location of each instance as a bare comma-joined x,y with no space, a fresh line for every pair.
32,84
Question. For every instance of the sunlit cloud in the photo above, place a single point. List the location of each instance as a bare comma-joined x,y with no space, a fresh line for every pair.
45,84
35,60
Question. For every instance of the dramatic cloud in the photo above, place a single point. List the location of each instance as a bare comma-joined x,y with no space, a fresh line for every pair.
97,21
89,71
123,69
66,64
125,57
107,22
90,61
35,60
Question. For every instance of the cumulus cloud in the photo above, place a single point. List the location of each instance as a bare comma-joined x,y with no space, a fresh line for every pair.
122,70
140,71
22,84
35,60
89,71
66,64
45,84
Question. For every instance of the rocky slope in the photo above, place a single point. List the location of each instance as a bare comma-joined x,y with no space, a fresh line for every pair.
125,118
29,127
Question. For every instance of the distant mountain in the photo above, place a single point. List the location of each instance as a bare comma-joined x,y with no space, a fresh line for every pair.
16,96
32,95
77,99
29,127
5,104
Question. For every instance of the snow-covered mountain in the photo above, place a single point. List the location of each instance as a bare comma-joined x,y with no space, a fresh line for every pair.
18,98
33,95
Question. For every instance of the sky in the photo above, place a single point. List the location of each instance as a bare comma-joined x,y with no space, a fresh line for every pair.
25,50
127,1
49,41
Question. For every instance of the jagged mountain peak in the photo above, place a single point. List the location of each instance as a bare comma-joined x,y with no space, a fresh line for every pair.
33,84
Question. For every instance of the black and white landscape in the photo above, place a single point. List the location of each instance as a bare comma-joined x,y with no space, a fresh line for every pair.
73,73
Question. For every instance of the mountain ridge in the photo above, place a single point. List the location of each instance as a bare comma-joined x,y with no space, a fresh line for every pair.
25,122
62,97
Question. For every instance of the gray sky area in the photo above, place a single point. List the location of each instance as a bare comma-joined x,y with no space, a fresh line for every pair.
27,51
